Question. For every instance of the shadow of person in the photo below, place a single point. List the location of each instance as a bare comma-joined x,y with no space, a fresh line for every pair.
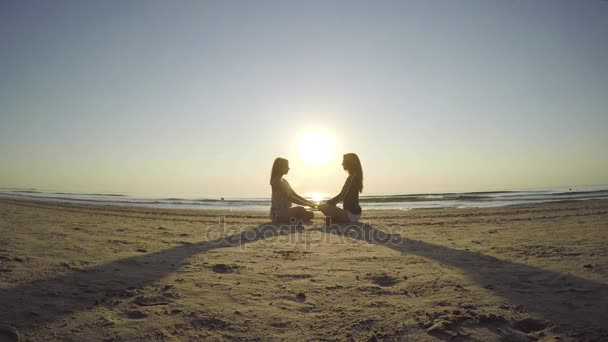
557,297
41,301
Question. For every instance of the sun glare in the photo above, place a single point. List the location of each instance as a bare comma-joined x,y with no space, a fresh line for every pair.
316,148
316,197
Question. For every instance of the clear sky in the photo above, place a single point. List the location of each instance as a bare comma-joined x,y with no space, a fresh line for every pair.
199,97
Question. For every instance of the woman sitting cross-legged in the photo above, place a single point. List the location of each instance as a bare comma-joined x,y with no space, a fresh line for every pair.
283,196
349,194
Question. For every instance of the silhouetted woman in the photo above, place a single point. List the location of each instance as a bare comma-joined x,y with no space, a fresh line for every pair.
349,194
283,196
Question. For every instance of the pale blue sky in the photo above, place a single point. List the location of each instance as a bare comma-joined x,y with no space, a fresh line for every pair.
198,97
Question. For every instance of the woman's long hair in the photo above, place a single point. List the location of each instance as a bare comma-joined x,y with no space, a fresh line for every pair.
276,168
353,165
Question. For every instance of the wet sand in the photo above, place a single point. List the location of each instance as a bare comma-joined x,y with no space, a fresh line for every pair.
101,273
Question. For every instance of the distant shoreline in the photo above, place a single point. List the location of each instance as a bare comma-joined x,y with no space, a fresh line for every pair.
51,204
476,199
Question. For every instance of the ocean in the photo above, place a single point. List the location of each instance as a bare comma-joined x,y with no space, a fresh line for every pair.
368,202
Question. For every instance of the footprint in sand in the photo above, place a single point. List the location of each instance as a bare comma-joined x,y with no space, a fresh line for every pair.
210,323
529,325
136,314
280,324
491,318
383,280
151,300
223,268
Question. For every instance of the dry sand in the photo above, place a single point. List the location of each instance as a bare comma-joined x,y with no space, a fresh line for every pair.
101,273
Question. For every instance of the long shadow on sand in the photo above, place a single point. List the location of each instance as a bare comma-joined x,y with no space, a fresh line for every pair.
580,302
557,297
38,302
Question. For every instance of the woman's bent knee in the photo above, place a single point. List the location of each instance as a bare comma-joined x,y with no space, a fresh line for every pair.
323,207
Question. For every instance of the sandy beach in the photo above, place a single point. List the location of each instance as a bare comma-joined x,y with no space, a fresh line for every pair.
71,272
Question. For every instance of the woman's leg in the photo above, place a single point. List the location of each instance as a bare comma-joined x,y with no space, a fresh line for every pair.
336,214
295,213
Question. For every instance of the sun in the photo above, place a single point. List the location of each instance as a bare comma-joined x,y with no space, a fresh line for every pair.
316,147
316,197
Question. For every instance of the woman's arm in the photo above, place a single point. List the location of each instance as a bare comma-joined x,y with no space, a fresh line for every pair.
301,201
336,199
308,203
340,196
299,197
295,198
